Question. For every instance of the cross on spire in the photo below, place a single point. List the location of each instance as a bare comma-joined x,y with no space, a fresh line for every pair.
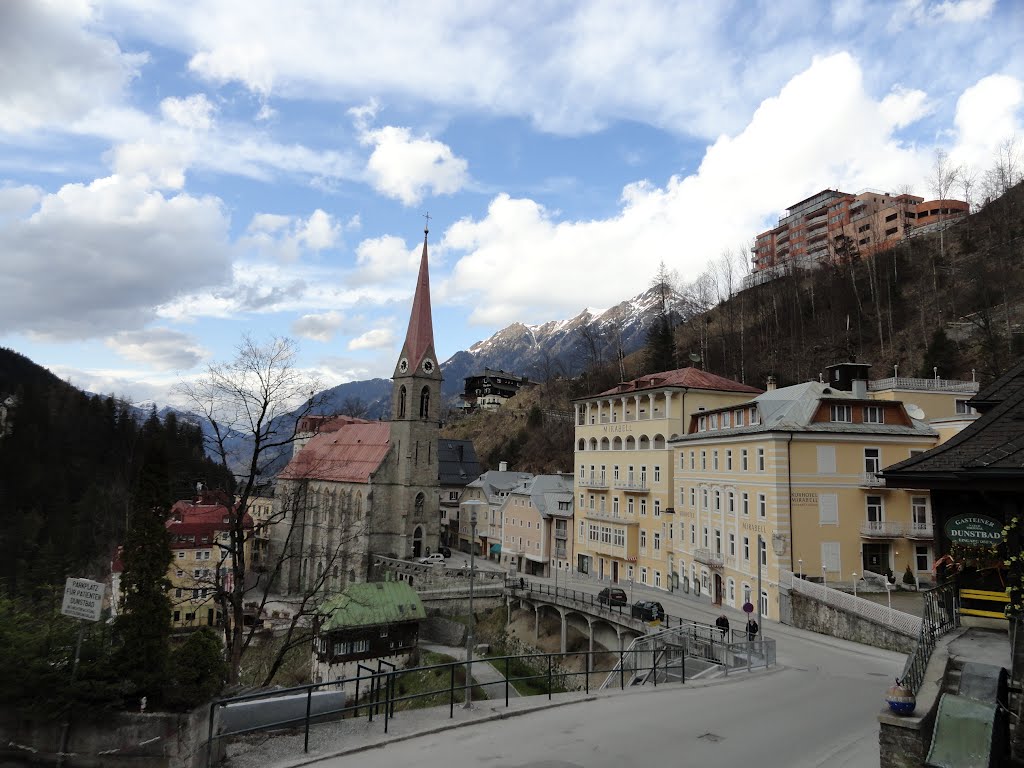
426,225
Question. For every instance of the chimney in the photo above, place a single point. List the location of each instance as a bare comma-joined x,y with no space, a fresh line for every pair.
503,466
860,389
770,386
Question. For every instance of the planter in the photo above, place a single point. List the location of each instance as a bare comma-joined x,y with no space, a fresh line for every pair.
900,700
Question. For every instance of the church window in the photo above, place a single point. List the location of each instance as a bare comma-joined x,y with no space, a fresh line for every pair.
401,403
419,505
425,403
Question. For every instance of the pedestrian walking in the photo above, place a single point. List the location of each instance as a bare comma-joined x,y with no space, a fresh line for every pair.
751,628
722,622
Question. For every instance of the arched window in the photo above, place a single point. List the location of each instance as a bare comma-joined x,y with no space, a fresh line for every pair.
401,402
630,443
425,403
605,444
644,444
593,443
419,510
617,444
659,441
582,445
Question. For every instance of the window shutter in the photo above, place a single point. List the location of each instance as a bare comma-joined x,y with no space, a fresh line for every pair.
828,509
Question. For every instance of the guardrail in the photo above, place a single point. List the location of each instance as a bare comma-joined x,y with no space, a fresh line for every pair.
381,688
902,622
941,614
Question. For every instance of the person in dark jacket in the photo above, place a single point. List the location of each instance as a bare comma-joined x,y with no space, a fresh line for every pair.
722,622
751,628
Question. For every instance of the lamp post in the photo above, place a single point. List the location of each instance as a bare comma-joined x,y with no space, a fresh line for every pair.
760,549
630,590
888,595
472,622
800,563
823,575
854,583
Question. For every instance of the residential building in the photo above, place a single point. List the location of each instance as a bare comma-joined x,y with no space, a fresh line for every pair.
836,226
793,478
457,467
490,488
624,522
378,620
490,390
355,487
201,565
536,526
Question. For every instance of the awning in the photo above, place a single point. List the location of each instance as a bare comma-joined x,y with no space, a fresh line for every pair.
495,549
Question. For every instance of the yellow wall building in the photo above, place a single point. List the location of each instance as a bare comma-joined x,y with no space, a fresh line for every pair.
798,467
623,486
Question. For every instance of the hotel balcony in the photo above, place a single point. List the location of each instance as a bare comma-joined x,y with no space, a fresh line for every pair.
881,530
920,531
593,514
633,484
561,535
593,482
709,558
873,481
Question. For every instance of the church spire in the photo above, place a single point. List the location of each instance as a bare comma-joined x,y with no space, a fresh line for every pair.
419,338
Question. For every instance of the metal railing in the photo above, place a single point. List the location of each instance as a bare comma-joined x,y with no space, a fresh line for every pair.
942,385
378,692
941,615
899,621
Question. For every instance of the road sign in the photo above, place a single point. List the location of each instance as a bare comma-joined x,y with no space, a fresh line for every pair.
748,608
83,599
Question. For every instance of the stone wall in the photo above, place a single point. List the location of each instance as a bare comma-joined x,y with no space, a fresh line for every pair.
804,612
438,629
121,739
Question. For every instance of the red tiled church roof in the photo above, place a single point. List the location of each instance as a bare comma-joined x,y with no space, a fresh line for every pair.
349,454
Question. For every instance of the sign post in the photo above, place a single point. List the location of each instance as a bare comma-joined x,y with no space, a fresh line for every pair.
83,600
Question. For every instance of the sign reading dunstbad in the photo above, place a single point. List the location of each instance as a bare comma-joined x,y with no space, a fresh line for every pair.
974,529
83,599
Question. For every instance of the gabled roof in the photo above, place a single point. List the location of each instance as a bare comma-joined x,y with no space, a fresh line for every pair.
349,454
494,481
990,446
545,491
684,378
373,604
457,463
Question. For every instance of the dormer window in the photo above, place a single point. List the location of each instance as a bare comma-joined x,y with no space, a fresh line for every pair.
874,414
841,414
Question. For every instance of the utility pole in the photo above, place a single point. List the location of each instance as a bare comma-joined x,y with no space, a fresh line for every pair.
760,549
472,622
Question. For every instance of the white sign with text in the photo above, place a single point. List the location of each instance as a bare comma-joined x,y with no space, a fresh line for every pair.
83,599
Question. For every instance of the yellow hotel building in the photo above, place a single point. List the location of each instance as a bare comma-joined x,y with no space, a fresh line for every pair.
624,482
798,467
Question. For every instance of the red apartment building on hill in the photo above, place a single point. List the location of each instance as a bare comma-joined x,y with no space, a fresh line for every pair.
871,221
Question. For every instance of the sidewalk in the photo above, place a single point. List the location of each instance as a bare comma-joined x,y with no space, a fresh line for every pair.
484,674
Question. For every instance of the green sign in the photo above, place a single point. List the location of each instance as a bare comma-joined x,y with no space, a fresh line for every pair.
974,529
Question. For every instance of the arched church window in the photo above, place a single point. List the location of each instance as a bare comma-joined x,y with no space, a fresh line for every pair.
401,402
425,403
419,508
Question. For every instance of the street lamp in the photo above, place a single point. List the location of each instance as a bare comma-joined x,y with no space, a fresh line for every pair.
800,563
888,594
823,575
854,583
472,622
760,549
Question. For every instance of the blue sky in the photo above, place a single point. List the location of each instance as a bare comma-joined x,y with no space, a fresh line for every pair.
175,174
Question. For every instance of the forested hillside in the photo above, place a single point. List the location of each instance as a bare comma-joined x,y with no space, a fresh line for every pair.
71,468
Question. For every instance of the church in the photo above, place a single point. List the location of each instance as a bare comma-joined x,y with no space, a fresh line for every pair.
355,487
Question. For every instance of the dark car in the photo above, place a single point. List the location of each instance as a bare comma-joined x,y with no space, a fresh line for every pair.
445,551
612,596
647,610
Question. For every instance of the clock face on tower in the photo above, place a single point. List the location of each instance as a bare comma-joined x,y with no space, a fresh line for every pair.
428,365
403,365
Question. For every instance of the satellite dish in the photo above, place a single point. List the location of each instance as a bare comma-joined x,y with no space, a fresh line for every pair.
695,357
915,411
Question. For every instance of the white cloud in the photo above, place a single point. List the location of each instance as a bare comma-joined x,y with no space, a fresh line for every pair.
56,68
407,168
321,327
964,11
287,238
986,114
378,338
163,349
194,112
384,259
91,259
791,149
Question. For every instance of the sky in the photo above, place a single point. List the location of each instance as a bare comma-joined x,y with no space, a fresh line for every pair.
174,174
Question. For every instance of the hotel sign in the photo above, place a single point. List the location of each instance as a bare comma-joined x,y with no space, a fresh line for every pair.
805,499
974,529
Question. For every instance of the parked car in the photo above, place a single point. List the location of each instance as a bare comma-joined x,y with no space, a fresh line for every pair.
612,596
647,610
434,558
445,551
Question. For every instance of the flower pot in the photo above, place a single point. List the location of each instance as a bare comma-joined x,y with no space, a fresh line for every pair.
900,700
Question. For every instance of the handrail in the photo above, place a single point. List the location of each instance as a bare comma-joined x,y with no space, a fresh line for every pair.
941,615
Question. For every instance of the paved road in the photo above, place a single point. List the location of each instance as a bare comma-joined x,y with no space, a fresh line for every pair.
818,708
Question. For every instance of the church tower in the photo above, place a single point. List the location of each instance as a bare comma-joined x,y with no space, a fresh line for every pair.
416,422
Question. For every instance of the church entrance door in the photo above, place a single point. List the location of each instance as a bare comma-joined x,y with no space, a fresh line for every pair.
417,542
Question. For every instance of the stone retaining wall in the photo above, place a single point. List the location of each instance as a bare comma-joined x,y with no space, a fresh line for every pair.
801,611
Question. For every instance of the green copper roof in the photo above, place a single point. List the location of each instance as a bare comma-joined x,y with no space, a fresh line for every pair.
367,605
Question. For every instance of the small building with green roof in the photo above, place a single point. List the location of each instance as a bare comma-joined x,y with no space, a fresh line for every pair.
375,620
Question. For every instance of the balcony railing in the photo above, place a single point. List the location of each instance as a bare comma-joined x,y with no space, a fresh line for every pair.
593,482
632,483
872,480
709,558
938,385
920,531
562,535
881,530
593,514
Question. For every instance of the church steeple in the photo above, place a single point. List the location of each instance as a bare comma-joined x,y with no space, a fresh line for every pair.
418,350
